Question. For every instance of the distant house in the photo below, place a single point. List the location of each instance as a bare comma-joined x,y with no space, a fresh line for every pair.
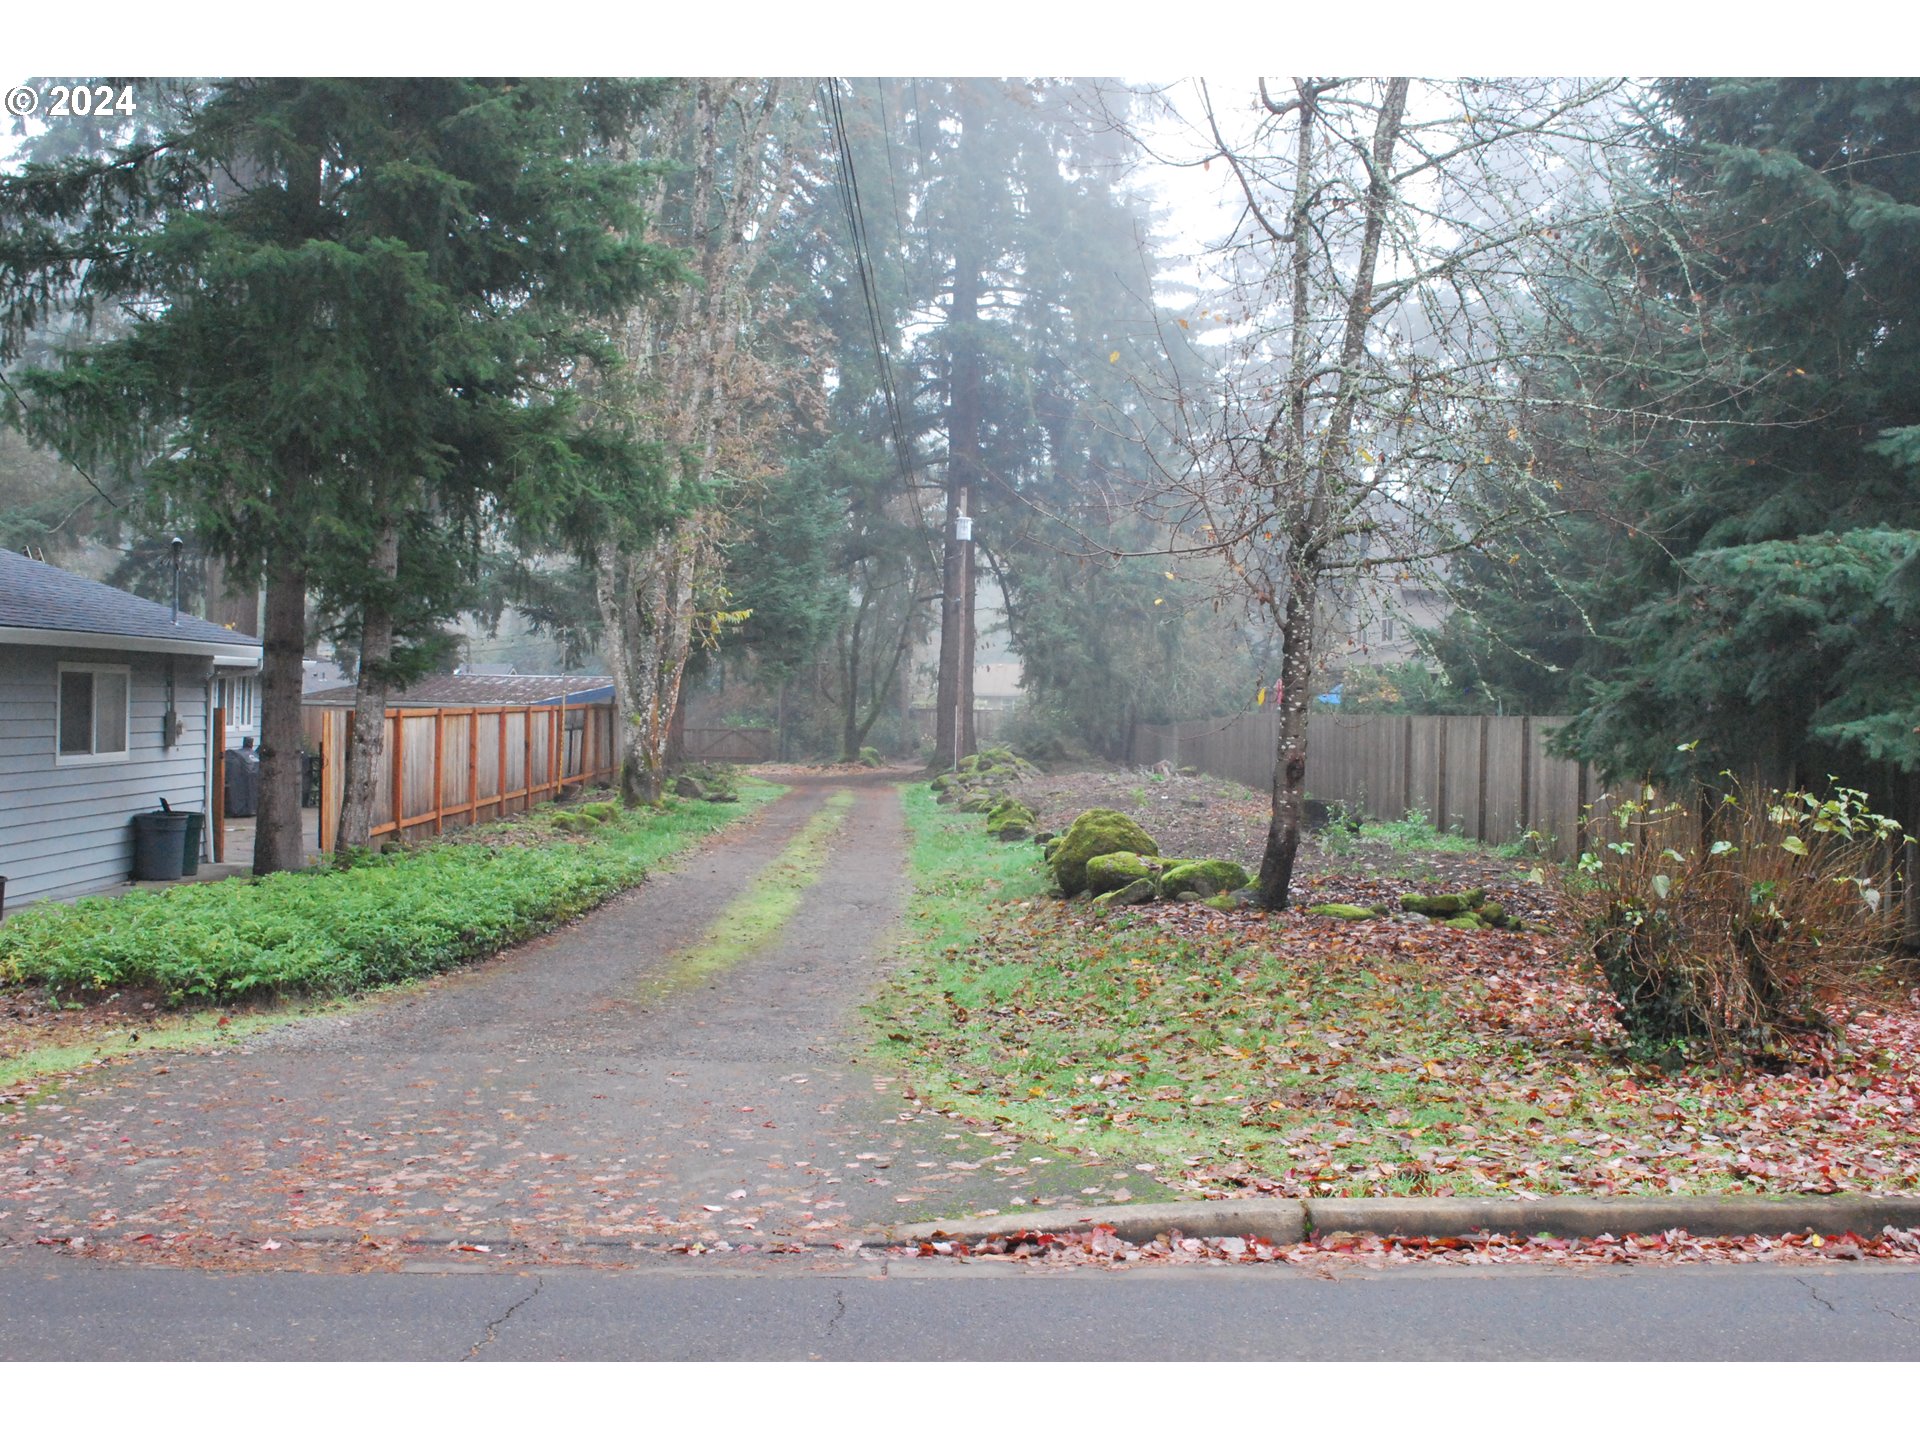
106,705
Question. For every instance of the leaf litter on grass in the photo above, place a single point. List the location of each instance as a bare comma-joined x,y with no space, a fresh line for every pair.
1293,1056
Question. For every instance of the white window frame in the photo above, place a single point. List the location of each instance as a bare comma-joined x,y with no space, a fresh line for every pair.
94,757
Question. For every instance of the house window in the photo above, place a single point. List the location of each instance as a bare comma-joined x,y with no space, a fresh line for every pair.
240,698
93,713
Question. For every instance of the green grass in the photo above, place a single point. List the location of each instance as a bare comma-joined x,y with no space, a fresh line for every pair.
757,915
335,931
1234,1049
1413,833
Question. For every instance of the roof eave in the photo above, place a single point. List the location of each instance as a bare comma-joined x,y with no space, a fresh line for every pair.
230,651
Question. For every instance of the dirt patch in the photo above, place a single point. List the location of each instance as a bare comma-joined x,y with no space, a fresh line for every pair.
1200,817
839,770
29,1020
1189,815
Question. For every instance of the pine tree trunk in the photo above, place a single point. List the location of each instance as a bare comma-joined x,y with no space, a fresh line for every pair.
369,739
850,677
277,842
1290,753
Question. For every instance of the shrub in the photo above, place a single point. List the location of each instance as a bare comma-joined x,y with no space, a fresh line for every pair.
1727,933
341,928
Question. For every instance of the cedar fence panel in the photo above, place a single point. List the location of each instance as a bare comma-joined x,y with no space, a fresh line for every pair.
451,766
1487,776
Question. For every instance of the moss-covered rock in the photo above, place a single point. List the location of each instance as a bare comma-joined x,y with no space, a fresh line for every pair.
1463,922
1138,892
1115,871
1347,912
1204,877
869,757
1010,820
1225,902
601,810
1443,906
1492,913
689,788
1095,832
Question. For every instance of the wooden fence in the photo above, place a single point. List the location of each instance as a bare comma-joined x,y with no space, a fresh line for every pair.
457,765
1486,776
736,744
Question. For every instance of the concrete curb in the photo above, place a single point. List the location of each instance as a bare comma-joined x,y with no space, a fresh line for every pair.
1568,1217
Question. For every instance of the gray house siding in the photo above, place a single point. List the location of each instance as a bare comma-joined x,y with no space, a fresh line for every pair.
64,828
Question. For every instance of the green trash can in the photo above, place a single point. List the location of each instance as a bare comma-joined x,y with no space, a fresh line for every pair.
190,847
159,844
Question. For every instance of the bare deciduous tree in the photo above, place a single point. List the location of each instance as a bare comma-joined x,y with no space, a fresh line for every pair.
701,382
1383,305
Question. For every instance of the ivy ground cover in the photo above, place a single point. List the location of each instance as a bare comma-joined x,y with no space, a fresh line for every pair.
1297,1056
337,930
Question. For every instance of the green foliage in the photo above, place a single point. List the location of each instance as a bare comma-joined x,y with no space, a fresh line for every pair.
1737,566
358,342
1407,688
1767,649
335,930
1721,936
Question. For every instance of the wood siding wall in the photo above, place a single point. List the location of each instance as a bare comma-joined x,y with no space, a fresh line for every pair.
1487,776
64,829
459,766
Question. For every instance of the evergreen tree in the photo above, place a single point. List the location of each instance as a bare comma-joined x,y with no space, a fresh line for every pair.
1766,510
357,310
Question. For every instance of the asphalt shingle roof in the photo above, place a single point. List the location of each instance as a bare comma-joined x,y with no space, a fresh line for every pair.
478,690
36,596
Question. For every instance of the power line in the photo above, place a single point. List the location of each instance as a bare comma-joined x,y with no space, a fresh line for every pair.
862,254
8,385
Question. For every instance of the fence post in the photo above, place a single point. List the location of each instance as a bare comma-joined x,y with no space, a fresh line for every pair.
473,767
395,771
1406,776
439,769
1580,801
526,759
1480,804
1441,797
1526,773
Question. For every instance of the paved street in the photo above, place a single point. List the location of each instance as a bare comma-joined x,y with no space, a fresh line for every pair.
624,1083
53,1307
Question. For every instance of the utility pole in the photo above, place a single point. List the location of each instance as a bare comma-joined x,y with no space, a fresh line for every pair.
953,734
